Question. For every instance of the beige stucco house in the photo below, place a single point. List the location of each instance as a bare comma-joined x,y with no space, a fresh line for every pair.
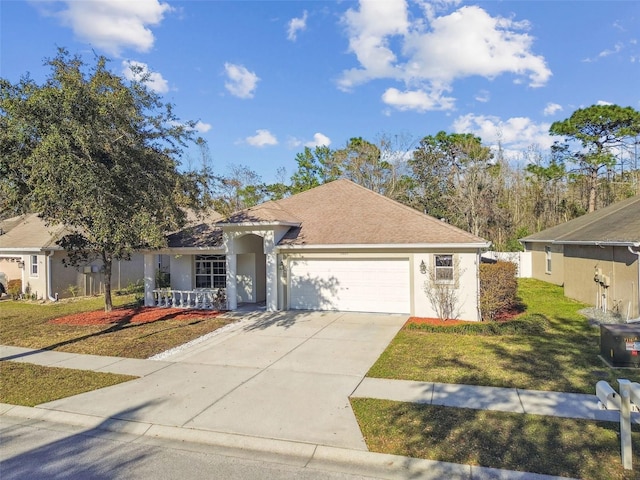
338,246
29,252
595,257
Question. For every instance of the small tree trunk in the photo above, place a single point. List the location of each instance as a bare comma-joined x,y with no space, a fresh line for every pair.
593,190
107,262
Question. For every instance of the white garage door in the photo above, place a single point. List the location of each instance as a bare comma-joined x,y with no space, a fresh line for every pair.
364,285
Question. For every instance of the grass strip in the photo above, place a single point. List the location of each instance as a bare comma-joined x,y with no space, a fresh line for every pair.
28,384
530,443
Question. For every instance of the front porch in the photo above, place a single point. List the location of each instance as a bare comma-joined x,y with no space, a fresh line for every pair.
242,269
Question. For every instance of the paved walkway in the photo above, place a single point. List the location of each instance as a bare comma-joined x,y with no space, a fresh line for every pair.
279,382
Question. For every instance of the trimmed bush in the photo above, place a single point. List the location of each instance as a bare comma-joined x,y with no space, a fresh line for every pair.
533,324
498,288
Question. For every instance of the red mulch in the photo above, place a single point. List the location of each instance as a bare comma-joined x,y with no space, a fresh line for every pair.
133,315
503,317
436,321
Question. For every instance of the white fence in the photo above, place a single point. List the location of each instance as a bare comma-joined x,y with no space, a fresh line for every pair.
521,259
201,298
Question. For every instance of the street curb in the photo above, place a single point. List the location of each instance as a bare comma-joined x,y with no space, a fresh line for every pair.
308,455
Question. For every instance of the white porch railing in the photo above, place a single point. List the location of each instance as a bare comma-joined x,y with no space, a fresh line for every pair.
200,298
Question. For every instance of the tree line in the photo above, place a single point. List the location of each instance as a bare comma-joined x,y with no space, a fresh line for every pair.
456,178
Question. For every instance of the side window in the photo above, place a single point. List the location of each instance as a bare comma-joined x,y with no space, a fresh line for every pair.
444,268
34,266
547,255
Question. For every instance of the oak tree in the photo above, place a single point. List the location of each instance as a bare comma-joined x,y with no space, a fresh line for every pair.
95,153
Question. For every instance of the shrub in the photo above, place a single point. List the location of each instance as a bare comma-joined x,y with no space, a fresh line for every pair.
14,288
533,324
444,296
498,288
73,290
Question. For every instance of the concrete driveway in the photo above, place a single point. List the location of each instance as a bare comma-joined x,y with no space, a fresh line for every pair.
283,375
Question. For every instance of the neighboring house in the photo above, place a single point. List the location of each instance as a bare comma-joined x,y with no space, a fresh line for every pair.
338,246
28,252
595,257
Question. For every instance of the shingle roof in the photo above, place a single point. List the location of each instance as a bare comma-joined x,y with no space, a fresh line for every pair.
200,232
29,232
619,222
343,213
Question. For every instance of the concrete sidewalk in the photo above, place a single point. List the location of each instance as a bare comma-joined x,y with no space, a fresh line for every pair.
536,402
557,404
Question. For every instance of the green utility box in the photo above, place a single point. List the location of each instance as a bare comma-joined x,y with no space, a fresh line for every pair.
620,344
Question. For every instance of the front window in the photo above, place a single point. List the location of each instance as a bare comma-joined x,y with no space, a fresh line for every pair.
444,268
211,271
34,265
547,254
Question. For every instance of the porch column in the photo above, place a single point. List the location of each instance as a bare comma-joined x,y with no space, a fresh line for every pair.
149,279
272,282
232,287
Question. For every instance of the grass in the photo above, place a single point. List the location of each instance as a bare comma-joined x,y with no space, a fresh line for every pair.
29,385
530,443
25,324
559,354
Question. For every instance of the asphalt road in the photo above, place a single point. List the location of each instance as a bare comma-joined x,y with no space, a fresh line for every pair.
38,450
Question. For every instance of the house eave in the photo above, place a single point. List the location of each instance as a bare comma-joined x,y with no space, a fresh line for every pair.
253,225
387,246
599,243
184,250
28,249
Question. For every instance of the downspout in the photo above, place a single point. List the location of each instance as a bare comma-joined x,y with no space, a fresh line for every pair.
638,283
51,298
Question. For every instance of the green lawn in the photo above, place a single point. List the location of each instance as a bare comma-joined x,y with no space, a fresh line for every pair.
550,347
25,324
563,357
529,443
29,385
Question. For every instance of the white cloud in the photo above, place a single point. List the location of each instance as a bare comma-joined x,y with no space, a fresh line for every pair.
483,96
428,54
552,109
603,102
242,83
138,71
516,134
262,138
296,25
113,25
319,140
202,127
418,100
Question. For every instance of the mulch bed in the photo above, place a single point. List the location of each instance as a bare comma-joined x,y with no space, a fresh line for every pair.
133,315
436,321
503,317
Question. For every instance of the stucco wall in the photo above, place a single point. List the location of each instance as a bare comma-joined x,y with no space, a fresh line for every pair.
466,271
245,275
181,269
539,263
617,263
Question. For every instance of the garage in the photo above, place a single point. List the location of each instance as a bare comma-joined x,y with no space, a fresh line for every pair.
380,285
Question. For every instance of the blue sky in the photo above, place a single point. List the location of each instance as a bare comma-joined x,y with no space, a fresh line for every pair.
265,79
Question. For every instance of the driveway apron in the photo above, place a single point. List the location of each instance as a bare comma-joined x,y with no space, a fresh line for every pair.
282,375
